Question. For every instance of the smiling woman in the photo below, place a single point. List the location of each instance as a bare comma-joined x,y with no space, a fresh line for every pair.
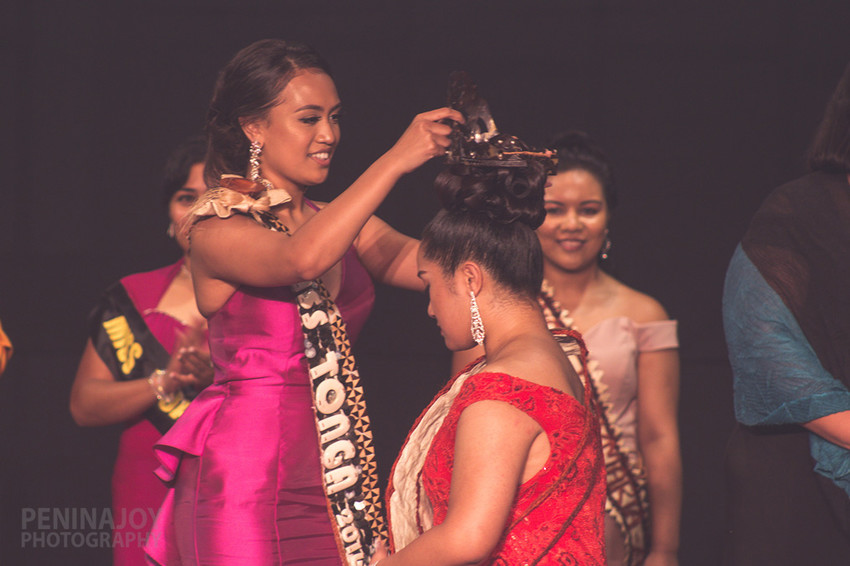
634,344
301,132
576,225
284,283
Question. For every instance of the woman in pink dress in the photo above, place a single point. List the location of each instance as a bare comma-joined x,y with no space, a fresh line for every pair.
159,305
272,463
633,353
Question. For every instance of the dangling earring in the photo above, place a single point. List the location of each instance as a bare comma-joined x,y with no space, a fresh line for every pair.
254,162
477,325
170,231
606,248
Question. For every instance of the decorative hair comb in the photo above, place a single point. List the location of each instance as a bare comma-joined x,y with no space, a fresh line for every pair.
477,142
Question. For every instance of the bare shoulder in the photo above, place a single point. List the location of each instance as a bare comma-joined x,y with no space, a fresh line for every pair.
539,360
213,227
490,415
217,235
221,248
638,306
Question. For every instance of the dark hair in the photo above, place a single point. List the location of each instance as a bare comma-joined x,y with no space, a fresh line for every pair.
179,162
247,88
577,150
830,150
489,216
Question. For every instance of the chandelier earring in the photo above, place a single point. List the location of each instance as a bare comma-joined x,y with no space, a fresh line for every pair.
606,248
254,162
477,325
170,231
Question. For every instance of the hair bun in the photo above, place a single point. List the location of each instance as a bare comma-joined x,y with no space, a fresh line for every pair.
503,194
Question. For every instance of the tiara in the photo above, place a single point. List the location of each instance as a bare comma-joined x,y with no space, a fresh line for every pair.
478,142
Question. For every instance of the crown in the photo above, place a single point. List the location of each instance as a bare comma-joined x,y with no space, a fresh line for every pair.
478,142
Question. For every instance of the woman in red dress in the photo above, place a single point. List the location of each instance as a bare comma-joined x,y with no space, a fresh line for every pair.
505,465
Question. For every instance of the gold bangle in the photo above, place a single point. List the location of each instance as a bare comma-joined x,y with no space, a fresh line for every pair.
155,381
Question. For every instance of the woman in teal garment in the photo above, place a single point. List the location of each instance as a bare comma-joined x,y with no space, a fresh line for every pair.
787,321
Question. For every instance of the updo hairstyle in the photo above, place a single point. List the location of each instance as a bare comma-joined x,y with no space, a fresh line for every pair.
489,216
248,88
577,150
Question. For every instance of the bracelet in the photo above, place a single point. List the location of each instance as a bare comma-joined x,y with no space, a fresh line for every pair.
155,381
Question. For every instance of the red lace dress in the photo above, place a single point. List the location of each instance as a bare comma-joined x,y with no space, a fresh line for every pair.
567,526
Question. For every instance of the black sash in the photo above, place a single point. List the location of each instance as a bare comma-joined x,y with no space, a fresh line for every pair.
131,351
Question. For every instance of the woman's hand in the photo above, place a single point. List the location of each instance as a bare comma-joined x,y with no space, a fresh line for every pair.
197,366
426,137
380,553
190,364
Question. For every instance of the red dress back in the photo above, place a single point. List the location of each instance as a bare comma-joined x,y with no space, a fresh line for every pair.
567,525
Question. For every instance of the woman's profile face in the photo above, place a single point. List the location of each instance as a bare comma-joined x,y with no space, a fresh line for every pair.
300,133
576,223
448,304
183,199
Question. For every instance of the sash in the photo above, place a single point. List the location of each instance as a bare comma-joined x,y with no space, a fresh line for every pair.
627,498
408,508
349,466
129,349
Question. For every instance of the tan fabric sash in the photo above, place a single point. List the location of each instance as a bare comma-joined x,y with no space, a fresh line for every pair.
628,499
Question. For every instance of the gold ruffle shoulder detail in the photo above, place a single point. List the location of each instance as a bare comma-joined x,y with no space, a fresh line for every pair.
235,195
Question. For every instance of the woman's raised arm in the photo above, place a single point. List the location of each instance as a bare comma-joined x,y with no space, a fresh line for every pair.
240,251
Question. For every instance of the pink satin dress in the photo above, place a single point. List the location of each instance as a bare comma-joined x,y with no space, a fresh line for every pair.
243,460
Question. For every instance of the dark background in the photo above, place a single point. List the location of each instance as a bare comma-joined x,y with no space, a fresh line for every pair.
703,107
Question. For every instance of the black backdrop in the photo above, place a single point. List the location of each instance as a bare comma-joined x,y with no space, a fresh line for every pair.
703,106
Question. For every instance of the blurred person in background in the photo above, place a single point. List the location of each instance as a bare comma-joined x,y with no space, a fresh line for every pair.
786,314
5,350
146,356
